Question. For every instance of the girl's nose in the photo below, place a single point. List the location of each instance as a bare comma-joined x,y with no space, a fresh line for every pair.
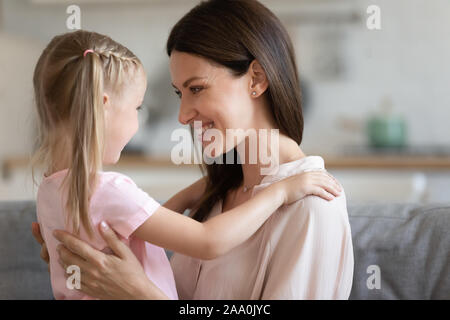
186,114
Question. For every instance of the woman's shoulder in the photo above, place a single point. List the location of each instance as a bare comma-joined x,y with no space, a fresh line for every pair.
307,163
287,169
312,214
310,220
311,209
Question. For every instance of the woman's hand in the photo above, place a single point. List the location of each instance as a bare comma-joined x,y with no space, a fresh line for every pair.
106,276
318,183
35,229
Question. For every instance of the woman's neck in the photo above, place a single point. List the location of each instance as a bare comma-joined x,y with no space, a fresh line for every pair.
286,150
272,148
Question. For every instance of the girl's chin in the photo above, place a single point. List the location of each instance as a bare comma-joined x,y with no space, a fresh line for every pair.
107,161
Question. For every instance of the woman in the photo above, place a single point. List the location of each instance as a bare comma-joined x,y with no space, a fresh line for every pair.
233,66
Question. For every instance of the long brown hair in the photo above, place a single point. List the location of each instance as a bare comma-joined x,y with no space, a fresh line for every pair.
233,33
69,84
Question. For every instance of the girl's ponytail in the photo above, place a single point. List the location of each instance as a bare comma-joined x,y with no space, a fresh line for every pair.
87,140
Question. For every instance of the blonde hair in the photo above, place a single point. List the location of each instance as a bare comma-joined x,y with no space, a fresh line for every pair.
69,87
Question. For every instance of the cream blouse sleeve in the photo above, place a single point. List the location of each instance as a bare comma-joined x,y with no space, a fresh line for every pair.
311,252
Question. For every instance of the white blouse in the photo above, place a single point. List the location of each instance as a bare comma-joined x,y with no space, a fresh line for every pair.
303,251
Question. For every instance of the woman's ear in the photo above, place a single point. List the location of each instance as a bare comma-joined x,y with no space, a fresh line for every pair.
259,82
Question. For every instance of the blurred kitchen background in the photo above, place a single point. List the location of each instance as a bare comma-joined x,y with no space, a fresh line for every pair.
376,102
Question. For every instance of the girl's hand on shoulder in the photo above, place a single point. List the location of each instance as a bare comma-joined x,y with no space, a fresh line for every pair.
317,183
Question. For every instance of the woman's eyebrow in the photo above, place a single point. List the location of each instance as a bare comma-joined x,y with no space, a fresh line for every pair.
186,83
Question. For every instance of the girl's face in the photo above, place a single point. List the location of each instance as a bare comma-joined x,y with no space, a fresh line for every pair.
121,115
211,94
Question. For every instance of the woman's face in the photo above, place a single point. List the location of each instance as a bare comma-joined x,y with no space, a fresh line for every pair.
211,94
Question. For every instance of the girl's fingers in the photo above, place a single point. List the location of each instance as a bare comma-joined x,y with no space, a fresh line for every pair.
331,188
322,193
338,185
335,192
324,185
328,177
330,185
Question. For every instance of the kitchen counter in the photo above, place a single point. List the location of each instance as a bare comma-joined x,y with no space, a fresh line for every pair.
368,161
366,177
331,162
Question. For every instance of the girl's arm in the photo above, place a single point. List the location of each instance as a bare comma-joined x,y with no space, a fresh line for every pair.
218,235
187,198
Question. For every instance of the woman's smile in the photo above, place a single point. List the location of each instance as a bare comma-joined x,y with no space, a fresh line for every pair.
205,127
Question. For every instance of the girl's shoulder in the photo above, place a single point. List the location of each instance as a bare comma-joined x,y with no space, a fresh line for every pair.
115,179
117,188
121,203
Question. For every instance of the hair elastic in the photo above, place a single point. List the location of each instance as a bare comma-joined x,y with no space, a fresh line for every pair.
87,51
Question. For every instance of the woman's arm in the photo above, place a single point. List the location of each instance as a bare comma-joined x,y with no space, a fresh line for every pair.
311,257
220,234
188,197
105,276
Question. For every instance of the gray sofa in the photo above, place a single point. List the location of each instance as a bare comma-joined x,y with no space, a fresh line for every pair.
409,243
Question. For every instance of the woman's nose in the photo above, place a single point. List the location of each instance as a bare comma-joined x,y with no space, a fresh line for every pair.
186,114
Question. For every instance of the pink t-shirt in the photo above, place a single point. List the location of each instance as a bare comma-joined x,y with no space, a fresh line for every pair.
119,202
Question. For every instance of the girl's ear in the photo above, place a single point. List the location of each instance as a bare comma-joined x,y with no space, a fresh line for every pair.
259,82
105,99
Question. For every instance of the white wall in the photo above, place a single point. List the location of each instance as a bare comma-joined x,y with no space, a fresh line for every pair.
406,60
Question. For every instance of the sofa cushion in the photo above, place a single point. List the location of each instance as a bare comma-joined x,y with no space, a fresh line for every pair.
410,244
23,275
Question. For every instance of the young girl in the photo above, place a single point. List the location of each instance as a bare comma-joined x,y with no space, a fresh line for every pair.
88,89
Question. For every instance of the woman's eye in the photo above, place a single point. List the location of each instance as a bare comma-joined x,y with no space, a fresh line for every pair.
139,108
196,90
178,93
